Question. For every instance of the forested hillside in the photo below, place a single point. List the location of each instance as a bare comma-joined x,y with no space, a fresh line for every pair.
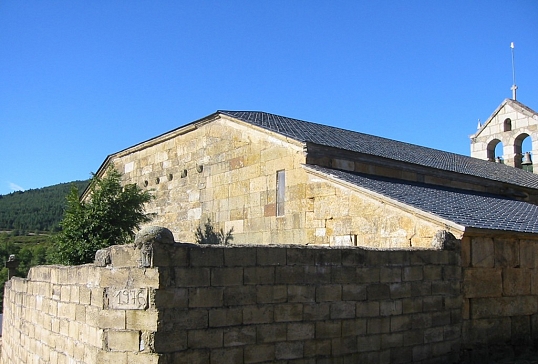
37,210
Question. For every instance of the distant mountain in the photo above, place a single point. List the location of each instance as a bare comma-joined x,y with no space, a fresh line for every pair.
36,210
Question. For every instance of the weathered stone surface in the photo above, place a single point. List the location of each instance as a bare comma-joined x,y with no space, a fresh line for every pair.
420,305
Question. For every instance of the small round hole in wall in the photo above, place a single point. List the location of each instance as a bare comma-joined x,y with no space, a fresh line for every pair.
146,183
199,168
184,173
170,177
157,180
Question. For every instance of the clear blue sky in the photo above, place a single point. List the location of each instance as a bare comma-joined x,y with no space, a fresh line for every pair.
80,80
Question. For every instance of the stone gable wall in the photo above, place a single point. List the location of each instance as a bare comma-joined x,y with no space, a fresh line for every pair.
226,172
284,304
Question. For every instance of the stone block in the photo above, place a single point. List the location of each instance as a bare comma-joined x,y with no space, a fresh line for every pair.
400,323
268,256
259,353
301,293
209,338
328,293
170,341
343,310
227,276
378,292
294,274
421,320
192,277
482,252
378,325
328,257
368,275
141,320
240,257
487,331
184,319
240,336
367,309
421,288
142,358
206,297
435,334
528,253
482,282
114,277
271,294
123,340
354,327
228,355
432,303
433,272
328,329
446,288
105,357
354,257
111,319
401,355
259,275
288,312
506,252
503,306
300,331
516,281
225,317
84,295
400,290
301,256
316,311
412,273
392,340
239,295
257,314
390,274
390,308
369,343
320,274
343,346
172,298
344,275
206,256
441,318
270,333
354,292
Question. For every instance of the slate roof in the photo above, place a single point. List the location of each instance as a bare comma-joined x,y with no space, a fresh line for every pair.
304,131
466,208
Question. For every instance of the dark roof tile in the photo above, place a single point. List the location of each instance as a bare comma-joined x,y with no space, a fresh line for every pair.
304,131
466,208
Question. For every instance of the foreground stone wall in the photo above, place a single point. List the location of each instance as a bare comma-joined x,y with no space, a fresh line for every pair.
182,303
71,314
500,289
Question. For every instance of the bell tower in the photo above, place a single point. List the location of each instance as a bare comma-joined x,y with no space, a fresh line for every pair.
509,125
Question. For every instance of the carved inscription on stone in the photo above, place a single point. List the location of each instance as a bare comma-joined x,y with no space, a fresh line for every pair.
127,299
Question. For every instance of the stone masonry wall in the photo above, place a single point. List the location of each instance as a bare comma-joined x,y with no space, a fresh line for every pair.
500,289
66,315
226,171
183,303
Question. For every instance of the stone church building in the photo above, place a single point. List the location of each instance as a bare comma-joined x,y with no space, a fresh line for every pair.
279,180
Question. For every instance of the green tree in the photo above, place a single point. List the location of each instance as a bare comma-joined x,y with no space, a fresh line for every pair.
109,216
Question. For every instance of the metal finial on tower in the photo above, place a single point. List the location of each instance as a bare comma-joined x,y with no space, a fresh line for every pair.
514,87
